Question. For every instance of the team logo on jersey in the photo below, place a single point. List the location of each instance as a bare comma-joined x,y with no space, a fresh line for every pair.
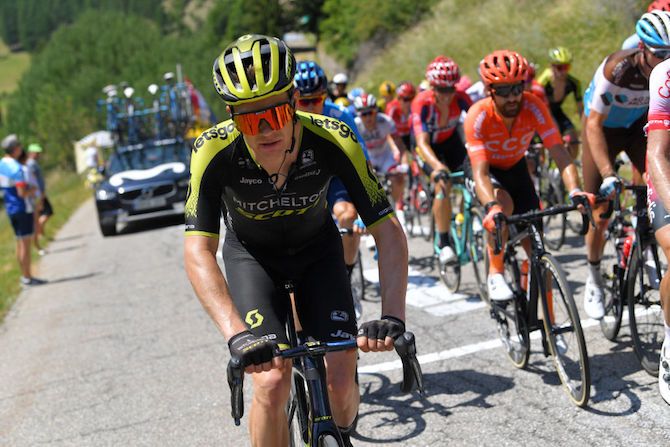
339,315
331,124
307,158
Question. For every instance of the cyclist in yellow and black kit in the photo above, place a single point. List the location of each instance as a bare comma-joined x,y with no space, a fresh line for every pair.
267,172
558,84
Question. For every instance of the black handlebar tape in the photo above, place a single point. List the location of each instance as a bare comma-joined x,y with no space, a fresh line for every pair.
236,384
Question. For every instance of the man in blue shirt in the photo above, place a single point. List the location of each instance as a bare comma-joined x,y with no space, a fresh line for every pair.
16,191
310,81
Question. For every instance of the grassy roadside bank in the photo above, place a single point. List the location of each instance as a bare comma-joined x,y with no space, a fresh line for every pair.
66,192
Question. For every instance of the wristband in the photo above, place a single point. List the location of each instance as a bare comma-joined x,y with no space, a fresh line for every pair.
490,205
574,191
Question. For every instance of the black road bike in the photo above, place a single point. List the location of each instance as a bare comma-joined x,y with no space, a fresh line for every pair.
560,327
309,415
634,269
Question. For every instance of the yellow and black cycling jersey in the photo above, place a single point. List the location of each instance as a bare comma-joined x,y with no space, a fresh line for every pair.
226,180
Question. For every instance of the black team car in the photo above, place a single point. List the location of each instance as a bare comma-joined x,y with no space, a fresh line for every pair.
143,181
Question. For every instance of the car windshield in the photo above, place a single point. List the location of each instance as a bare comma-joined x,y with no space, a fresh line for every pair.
148,157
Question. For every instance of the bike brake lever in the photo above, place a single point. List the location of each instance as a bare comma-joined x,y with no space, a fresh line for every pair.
498,219
405,346
236,383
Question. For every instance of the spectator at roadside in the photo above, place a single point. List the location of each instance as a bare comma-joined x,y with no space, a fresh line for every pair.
43,209
17,191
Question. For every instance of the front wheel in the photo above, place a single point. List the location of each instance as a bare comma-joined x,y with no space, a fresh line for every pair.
108,226
644,309
511,316
554,226
297,412
477,249
357,281
450,272
564,333
328,441
612,278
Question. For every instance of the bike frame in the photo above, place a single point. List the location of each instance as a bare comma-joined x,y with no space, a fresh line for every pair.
460,241
311,370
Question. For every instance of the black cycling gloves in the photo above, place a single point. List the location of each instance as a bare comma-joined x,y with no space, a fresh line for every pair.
388,326
250,349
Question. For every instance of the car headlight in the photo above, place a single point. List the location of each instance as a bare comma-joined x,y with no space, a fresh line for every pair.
103,194
183,183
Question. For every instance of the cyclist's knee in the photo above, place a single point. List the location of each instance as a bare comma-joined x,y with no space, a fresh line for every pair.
342,374
663,239
272,388
505,201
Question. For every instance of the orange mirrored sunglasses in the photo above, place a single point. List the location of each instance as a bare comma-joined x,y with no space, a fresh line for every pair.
311,100
276,117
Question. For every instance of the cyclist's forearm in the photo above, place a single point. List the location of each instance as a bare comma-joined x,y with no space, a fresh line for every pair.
393,258
566,166
211,288
426,152
483,185
658,159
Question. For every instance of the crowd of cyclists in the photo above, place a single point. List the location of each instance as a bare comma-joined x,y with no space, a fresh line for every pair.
301,156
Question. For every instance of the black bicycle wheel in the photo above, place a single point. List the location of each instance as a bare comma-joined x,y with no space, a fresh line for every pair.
357,282
612,279
554,226
450,273
424,203
511,316
298,413
564,332
644,310
477,250
328,441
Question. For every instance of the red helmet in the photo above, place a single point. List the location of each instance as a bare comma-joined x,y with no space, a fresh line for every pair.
442,72
662,5
365,101
503,67
406,90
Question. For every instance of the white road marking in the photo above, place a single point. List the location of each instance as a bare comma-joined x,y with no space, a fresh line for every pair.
453,353
431,295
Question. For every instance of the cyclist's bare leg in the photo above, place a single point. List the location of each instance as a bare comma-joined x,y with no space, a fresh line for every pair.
442,207
268,425
505,201
663,239
346,215
595,238
571,144
343,390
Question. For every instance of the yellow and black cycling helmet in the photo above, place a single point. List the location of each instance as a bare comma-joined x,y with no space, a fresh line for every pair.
253,67
560,56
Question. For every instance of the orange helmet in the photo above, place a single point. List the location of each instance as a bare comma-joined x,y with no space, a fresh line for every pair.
661,5
503,67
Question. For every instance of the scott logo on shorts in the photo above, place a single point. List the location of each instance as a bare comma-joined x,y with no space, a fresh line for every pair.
254,319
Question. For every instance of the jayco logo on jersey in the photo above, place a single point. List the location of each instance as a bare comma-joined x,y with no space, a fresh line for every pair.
330,124
251,181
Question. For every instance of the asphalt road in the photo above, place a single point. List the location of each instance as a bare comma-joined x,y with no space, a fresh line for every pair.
116,350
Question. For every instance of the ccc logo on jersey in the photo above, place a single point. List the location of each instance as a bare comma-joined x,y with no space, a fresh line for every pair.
254,319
